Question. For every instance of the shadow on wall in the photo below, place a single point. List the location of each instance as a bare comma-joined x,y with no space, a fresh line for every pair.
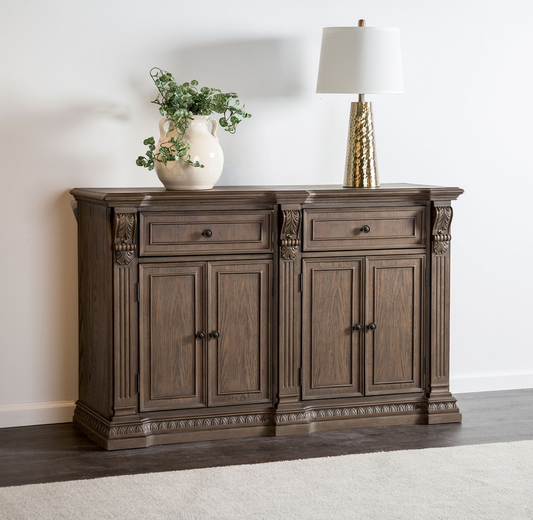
68,143
267,68
267,74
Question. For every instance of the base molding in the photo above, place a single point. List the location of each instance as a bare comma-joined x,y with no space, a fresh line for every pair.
138,431
491,381
33,414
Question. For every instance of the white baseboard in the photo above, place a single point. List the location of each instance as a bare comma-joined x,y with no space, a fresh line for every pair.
36,413
491,381
62,411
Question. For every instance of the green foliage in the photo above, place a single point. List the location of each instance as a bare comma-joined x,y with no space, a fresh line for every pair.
179,103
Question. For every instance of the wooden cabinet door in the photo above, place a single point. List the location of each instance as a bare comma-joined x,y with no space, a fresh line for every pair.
332,349
239,337
394,298
171,356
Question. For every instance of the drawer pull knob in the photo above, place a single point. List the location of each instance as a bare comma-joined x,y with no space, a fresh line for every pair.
372,327
357,327
200,335
215,334
207,233
365,229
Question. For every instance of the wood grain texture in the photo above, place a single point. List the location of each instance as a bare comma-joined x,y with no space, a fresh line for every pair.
333,294
363,229
95,269
395,305
230,340
172,358
239,311
208,232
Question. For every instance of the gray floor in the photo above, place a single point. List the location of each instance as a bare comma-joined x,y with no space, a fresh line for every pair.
36,454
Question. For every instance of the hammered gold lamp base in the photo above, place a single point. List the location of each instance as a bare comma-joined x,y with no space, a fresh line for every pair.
361,168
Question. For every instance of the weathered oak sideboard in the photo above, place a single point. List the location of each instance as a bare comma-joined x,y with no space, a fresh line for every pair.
250,311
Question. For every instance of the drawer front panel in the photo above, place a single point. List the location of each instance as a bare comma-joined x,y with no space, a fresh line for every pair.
180,233
326,230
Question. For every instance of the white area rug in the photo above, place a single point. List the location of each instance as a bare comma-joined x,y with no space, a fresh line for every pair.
490,481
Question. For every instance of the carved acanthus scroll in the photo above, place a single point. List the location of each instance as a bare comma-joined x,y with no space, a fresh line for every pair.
289,240
124,237
442,219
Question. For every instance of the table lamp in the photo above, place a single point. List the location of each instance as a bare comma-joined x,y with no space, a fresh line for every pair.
360,60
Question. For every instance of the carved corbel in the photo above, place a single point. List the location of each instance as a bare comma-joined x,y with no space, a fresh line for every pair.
290,228
124,225
442,219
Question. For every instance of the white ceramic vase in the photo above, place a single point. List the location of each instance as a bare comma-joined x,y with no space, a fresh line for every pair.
204,148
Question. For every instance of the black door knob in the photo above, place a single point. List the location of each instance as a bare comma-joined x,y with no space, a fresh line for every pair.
365,229
358,327
207,233
372,326
200,335
215,334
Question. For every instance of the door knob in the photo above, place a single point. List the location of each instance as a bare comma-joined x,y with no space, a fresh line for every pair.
200,335
372,326
215,334
357,327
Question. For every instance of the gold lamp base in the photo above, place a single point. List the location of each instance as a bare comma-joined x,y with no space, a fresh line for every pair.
361,167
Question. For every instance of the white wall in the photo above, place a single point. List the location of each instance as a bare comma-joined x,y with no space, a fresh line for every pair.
74,109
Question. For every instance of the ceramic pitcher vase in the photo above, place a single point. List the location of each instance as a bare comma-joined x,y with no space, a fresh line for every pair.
204,148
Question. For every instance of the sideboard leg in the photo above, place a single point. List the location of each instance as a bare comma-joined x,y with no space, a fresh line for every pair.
290,414
441,406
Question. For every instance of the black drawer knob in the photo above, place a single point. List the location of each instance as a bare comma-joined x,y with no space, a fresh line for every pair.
357,327
365,229
372,326
215,334
207,233
200,335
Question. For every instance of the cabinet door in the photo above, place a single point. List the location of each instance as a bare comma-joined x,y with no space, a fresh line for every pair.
394,288
171,356
239,332
332,296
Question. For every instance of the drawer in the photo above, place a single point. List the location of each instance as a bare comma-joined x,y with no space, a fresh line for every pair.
363,229
205,232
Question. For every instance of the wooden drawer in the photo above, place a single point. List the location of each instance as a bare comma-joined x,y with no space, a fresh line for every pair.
325,229
205,232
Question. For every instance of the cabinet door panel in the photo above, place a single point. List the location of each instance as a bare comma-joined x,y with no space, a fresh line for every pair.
171,356
331,348
394,305
239,311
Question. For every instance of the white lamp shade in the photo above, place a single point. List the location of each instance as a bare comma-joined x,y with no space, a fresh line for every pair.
360,60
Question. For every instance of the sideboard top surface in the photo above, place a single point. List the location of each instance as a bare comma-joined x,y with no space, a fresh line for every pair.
265,194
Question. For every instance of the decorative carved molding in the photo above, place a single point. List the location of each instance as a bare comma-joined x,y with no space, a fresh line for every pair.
124,236
437,407
183,424
289,240
151,427
90,420
442,219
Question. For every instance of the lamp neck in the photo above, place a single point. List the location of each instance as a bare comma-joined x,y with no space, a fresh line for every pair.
361,98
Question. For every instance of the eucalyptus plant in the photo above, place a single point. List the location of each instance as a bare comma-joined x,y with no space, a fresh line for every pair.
179,103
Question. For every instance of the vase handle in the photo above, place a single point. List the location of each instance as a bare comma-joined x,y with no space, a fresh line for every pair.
214,126
162,131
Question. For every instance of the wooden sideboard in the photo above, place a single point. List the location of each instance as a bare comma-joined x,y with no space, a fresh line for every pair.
251,311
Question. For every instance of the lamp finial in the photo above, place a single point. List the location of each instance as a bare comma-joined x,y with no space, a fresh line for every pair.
361,23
